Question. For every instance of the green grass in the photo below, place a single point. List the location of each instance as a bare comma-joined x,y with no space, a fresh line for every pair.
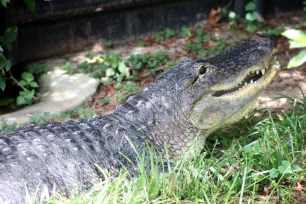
255,161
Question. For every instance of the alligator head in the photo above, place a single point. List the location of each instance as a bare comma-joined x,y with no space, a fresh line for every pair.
214,92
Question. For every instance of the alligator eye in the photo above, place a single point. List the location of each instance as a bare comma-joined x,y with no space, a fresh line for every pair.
202,69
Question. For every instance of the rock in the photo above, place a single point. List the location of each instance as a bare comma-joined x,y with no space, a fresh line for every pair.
60,92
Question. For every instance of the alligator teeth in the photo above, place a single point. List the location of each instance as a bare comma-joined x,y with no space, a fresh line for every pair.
251,81
263,71
257,72
245,83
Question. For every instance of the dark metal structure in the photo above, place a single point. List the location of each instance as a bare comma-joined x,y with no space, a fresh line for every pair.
55,9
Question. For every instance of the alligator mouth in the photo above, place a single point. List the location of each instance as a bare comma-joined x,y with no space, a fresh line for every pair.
257,79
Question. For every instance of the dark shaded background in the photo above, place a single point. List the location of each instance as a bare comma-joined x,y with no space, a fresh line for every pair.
58,27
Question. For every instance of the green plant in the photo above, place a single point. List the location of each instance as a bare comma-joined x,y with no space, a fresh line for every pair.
80,113
140,43
105,100
124,90
6,40
117,69
251,17
109,68
169,33
5,127
159,37
221,45
203,53
233,17
4,2
151,61
40,118
27,80
200,36
109,44
112,68
274,31
192,47
199,33
69,68
185,31
212,51
27,83
297,39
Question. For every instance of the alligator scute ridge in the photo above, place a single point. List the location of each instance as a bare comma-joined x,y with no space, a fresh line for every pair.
181,104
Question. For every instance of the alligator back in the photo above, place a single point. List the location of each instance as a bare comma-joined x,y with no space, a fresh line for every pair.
62,156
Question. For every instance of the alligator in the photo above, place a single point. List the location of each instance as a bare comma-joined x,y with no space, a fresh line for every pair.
180,109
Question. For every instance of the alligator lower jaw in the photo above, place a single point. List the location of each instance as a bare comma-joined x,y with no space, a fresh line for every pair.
254,87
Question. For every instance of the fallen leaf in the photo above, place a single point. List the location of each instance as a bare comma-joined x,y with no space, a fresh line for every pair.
165,44
298,187
131,44
266,191
214,16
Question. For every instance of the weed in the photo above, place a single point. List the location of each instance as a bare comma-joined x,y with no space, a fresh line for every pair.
6,42
112,68
203,53
151,61
123,91
185,31
5,127
251,17
200,36
159,37
274,31
79,113
140,43
192,47
69,68
105,100
221,45
169,33
199,33
109,44
40,118
233,18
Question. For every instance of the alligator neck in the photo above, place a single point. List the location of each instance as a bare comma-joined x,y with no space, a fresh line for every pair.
156,116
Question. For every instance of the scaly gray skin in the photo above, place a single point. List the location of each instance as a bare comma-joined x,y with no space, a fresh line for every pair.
186,102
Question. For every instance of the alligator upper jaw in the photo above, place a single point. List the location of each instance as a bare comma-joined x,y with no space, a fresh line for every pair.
252,83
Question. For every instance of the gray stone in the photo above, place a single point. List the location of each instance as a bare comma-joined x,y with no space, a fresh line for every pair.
60,92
